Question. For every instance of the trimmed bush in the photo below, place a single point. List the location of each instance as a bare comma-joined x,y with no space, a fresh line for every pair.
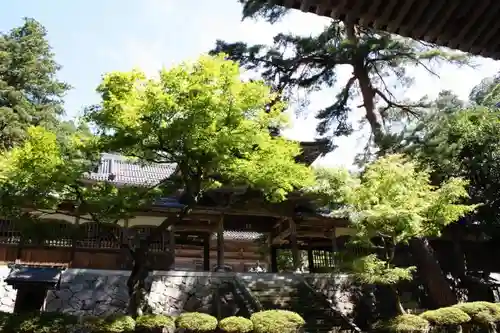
236,325
407,323
276,321
155,323
482,313
449,316
4,320
46,322
91,324
110,324
118,324
196,322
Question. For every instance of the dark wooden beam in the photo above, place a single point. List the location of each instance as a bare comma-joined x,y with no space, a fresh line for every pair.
310,260
334,246
171,242
274,259
206,253
294,245
220,242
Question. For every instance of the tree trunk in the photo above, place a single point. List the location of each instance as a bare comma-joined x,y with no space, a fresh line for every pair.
136,283
399,305
459,260
428,267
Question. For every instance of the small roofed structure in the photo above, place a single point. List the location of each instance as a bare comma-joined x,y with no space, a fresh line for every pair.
24,275
312,150
32,283
466,25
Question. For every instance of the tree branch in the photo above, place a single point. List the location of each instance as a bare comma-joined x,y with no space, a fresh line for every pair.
391,104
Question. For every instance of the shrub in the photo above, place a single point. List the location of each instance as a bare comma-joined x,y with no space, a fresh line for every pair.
47,322
110,324
91,324
118,324
449,316
149,322
482,313
4,320
196,322
276,321
236,325
404,323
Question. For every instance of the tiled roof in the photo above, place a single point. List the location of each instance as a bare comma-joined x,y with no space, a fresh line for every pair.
467,25
118,169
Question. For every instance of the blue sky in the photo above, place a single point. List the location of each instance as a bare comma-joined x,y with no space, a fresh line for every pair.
93,37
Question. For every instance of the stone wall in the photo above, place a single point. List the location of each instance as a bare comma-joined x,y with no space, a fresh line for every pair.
90,292
175,292
337,288
7,293
104,292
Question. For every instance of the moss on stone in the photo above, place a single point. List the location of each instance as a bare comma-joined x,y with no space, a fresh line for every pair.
276,321
236,325
483,313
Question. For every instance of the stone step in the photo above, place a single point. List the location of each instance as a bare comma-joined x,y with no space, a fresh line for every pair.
288,293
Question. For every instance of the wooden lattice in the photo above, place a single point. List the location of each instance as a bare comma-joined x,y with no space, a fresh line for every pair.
8,233
159,243
99,236
61,234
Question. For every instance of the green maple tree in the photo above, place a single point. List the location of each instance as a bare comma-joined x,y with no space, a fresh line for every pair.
213,126
391,203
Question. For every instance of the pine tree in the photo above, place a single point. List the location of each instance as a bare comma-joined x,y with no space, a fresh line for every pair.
30,93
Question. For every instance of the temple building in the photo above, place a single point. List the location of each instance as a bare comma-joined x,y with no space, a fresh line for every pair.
245,237
226,260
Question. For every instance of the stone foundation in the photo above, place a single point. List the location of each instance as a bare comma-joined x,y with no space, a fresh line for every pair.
104,292
7,293
90,292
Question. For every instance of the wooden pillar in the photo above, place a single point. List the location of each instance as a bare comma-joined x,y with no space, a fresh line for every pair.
274,259
294,245
206,253
74,238
310,260
126,232
171,243
334,246
126,258
220,243
220,264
